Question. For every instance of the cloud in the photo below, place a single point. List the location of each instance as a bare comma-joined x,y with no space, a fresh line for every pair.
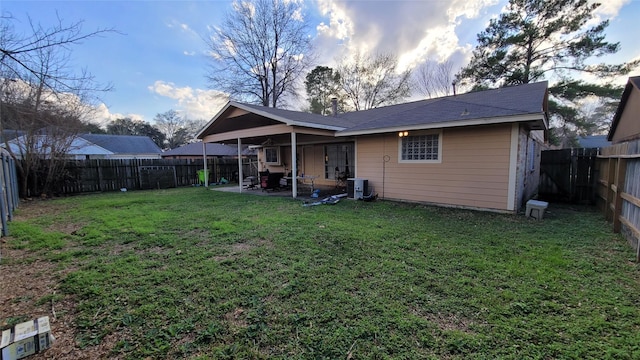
95,112
195,104
413,30
185,28
101,115
610,8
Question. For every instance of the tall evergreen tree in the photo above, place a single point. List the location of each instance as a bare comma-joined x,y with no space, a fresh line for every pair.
536,40
322,84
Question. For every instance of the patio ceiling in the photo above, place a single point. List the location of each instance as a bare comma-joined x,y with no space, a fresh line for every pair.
256,129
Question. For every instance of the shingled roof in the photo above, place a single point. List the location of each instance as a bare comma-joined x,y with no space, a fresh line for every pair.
124,144
452,110
526,103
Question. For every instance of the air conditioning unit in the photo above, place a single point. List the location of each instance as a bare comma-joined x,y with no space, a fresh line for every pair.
357,188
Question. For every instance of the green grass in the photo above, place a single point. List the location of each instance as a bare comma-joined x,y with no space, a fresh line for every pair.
192,273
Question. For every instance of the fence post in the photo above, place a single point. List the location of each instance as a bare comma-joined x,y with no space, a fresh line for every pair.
100,177
621,170
611,173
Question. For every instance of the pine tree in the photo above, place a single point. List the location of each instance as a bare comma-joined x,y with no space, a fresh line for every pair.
536,40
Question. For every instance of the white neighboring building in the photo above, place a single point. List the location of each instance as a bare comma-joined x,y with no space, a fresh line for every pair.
95,146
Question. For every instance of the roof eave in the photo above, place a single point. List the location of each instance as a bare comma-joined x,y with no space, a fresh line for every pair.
286,121
200,135
623,102
449,124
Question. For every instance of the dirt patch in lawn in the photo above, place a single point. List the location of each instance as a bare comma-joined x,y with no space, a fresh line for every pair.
30,289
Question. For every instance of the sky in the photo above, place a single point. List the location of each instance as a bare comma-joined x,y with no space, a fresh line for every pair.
156,57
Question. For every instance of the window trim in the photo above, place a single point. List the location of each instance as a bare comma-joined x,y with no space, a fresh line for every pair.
277,150
419,133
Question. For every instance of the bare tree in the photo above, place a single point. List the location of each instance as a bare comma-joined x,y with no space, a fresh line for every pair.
21,55
434,79
178,130
373,81
43,99
261,50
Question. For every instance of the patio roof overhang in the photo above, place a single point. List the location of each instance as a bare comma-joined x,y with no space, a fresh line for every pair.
254,127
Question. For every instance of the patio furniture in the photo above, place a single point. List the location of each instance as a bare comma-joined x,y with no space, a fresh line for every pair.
307,181
341,178
250,182
269,180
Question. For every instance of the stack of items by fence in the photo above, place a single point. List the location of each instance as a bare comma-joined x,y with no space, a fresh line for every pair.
619,189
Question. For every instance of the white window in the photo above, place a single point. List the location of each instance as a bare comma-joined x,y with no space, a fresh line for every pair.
272,155
420,147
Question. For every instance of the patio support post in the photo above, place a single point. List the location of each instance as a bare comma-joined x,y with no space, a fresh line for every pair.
294,166
206,169
240,177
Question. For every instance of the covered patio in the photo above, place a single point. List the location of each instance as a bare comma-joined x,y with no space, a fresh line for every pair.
307,151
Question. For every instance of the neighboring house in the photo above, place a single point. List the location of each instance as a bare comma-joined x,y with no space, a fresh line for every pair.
93,146
7,135
125,146
593,141
195,151
477,150
626,122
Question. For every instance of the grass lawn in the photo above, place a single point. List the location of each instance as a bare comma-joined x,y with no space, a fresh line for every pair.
194,273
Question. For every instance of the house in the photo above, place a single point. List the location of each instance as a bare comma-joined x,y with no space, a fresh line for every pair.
619,165
477,150
212,150
626,122
89,146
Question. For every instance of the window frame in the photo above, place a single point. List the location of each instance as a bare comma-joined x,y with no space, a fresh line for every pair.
401,140
278,158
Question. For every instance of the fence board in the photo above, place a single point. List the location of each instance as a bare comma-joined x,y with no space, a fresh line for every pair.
569,175
619,189
8,190
81,176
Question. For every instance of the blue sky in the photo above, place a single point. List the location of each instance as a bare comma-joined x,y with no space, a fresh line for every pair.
156,61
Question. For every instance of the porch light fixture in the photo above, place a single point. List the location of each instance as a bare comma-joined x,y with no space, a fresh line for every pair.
403,133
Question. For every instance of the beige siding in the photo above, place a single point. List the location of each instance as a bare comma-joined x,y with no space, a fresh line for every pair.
629,123
474,171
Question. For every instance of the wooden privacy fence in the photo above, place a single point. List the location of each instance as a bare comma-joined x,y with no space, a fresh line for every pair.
619,189
8,190
81,176
568,175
